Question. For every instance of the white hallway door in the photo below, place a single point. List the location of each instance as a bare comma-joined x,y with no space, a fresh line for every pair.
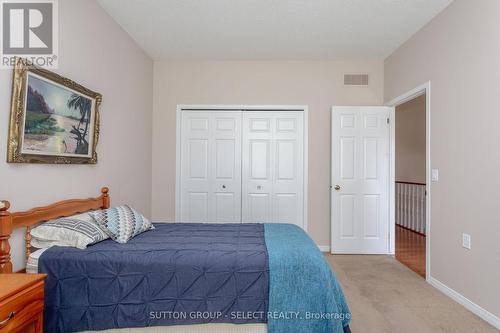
360,180
273,167
242,166
211,166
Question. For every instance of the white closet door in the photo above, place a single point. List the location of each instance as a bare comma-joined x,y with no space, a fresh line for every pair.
211,166
226,172
288,205
272,167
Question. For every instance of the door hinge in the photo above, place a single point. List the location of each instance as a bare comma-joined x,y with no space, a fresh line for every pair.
388,121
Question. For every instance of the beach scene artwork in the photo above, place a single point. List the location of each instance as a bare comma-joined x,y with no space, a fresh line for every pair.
58,121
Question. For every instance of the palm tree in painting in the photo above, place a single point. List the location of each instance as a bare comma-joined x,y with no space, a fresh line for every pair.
84,105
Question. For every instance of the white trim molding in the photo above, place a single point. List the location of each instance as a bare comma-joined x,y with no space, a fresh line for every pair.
464,301
237,107
324,248
418,91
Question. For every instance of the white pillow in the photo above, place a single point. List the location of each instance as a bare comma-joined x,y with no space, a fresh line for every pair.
77,231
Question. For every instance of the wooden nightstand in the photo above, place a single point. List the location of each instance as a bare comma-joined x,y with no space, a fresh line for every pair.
21,302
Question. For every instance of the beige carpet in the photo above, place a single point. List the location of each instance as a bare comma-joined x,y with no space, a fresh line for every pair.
385,296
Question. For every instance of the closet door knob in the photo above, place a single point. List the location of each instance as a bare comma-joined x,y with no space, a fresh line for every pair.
223,186
337,187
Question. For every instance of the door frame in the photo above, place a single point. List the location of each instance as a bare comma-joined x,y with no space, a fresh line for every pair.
409,95
223,107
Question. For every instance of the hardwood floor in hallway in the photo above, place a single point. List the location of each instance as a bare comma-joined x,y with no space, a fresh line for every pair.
410,250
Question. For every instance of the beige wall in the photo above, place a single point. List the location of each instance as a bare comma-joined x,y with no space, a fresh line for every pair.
459,52
97,53
410,141
317,84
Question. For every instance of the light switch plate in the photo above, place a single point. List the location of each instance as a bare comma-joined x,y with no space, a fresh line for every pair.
466,241
434,175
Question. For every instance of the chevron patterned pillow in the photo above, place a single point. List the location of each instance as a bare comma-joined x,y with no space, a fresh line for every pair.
121,223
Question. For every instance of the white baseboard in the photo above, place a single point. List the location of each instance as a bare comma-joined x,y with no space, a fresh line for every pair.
468,304
324,248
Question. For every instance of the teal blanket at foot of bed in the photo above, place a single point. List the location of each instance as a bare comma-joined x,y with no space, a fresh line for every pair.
304,294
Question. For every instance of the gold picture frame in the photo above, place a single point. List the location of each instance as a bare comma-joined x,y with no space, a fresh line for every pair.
53,120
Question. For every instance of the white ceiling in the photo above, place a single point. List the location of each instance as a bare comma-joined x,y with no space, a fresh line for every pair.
271,29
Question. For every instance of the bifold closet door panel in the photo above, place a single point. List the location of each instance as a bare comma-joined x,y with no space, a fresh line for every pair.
195,166
272,167
211,166
288,196
226,173
257,161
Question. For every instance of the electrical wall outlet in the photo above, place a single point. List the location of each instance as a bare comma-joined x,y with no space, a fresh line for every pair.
466,241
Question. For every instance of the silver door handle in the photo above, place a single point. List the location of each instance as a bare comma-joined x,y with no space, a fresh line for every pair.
337,187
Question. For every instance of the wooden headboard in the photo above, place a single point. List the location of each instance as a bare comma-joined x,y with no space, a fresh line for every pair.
10,221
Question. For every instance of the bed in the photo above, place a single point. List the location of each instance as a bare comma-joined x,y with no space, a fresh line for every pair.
183,277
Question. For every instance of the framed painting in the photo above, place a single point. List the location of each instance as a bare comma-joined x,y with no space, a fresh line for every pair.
52,119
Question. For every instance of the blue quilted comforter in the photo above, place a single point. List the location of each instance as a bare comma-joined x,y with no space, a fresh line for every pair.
191,273
302,285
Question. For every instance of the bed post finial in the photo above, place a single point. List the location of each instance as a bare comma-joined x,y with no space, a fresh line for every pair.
105,197
5,231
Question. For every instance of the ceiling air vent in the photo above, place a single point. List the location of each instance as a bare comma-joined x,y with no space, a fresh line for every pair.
355,79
